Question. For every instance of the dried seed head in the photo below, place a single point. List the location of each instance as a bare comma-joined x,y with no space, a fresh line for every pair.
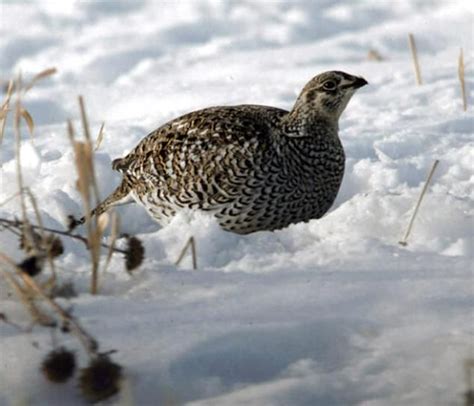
54,246
59,365
32,243
101,379
135,253
32,265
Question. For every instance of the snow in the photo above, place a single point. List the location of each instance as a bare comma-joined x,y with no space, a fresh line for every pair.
332,312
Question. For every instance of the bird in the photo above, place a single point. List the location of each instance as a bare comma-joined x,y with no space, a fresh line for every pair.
253,167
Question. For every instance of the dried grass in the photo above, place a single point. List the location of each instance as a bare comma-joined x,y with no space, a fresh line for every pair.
41,243
404,240
191,243
39,76
100,137
87,186
414,54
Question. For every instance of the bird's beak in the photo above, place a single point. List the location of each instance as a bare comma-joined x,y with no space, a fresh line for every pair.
359,82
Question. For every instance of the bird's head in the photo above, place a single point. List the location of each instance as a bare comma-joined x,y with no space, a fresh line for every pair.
327,94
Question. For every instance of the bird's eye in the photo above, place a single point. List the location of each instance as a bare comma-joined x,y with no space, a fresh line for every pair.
329,85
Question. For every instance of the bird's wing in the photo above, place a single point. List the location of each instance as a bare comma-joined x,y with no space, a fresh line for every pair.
204,135
211,151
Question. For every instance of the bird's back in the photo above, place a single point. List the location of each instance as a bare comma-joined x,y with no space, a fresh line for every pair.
202,135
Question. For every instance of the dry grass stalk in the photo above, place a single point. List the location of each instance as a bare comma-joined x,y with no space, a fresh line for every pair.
17,127
27,232
83,157
414,54
21,113
418,203
87,185
28,119
89,343
462,80
42,233
37,315
9,199
85,125
12,225
100,137
192,244
43,74
114,233
5,109
82,153
70,131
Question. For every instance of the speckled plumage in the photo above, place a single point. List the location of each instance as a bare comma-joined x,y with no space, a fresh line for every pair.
254,167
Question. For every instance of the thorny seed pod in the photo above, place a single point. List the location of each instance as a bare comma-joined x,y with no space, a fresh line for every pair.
54,246
32,265
59,365
32,242
135,253
101,379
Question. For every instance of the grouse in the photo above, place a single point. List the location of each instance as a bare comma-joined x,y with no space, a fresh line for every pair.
253,167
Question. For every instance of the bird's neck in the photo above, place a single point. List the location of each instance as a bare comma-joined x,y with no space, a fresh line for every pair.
308,122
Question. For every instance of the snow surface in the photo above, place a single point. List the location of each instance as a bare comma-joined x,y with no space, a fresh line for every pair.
332,312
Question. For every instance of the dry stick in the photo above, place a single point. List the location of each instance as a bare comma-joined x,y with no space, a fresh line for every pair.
418,203
191,242
113,237
9,199
42,233
26,299
19,174
414,54
16,223
461,79
5,109
4,319
84,177
89,343
43,74
193,252
100,137
11,229
85,124
93,232
29,121
26,229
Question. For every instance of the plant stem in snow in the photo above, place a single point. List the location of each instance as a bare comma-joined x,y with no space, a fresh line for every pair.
418,203
414,54
461,79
